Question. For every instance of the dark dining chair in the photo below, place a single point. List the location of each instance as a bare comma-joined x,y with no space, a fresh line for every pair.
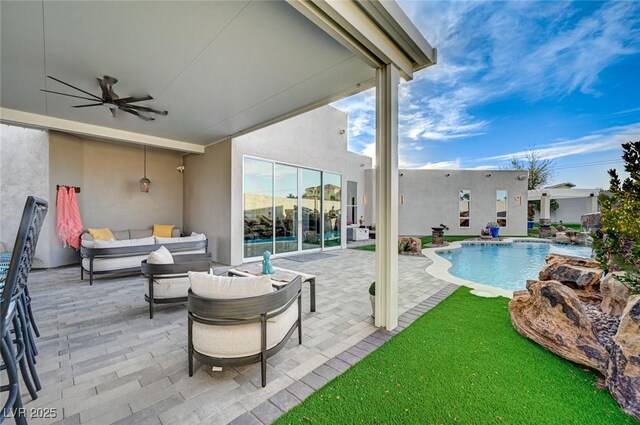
19,352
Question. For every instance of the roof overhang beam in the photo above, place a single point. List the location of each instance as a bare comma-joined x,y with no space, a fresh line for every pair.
358,27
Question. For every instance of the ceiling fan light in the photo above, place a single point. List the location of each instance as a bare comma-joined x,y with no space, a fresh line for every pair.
145,185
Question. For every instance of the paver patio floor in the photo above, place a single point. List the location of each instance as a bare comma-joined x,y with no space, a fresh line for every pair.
102,360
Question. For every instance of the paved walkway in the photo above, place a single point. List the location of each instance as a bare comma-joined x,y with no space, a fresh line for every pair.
102,360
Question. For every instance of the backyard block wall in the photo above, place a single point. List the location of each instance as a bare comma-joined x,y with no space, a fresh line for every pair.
430,197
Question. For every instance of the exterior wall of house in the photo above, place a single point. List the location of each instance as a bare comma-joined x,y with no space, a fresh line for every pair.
431,197
207,194
316,139
24,171
107,174
569,210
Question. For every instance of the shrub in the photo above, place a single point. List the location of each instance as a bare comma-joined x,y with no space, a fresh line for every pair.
617,242
372,289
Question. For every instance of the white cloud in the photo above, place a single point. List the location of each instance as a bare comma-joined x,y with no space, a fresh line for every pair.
605,140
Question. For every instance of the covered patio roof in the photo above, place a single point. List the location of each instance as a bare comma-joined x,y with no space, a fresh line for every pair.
535,195
220,68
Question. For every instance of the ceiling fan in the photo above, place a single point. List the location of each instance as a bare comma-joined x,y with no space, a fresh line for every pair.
111,100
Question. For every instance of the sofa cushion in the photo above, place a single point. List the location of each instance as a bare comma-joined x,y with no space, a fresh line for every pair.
241,340
212,286
103,264
197,237
163,230
160,256
121,235
140,233
127,242
102,234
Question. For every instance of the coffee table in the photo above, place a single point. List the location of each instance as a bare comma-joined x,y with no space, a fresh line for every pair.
279,279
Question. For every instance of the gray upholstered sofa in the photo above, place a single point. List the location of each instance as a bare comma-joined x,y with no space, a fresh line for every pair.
130,247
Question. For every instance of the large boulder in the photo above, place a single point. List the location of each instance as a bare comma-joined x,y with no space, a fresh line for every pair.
551,314
562,238
574,276
574,261
590,221
615,295
623,373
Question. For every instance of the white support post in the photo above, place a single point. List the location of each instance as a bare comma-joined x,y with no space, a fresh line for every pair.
387,79
594,203
545,207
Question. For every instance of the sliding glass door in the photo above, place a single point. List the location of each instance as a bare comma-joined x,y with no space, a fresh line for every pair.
311,200
285,199
289,209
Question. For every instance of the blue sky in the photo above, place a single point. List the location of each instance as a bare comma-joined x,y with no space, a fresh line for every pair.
562,78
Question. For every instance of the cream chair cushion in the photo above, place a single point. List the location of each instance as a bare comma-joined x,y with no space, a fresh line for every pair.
169,287
212,286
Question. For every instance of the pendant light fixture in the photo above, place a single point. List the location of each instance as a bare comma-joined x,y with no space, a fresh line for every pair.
145,183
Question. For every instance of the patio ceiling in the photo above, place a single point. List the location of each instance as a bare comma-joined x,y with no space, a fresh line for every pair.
219,68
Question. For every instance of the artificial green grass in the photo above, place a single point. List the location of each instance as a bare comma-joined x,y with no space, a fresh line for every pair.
461,363
425,241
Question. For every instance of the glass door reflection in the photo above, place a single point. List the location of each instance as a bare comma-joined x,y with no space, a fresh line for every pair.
258,207
310,203
285,199
332,205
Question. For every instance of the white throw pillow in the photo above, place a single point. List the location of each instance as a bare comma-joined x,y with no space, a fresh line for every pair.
127,242
198,237
160,256
212,286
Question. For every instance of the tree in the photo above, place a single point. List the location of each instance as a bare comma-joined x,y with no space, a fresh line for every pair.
617,243
541,170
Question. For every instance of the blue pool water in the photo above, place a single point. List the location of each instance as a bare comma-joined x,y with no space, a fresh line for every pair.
505,266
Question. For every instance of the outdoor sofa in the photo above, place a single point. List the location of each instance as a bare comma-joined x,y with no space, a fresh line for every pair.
130,248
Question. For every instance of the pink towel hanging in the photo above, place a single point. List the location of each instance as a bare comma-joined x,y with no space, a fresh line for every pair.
61,215
74,220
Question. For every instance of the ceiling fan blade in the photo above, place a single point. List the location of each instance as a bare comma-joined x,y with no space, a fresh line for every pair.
133,99
70,95
147,109
113,113
74,87
138,114
91,104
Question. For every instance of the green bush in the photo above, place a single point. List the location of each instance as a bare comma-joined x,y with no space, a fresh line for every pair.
372,289
617,243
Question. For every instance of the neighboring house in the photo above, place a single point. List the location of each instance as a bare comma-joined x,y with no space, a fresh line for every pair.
572,202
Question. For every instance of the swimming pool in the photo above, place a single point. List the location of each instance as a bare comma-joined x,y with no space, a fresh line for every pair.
505,266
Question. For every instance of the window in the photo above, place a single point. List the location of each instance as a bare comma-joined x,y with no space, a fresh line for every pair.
464,199
501,207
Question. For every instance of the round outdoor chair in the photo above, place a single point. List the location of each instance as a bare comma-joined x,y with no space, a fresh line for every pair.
232,331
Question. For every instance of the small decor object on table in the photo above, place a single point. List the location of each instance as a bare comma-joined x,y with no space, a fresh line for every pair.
361,221
494,229
267,267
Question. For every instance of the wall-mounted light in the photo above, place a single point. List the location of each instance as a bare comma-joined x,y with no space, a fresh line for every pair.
180,168
489,175
448,175
401,174
522,177
401,199
364,199
342,131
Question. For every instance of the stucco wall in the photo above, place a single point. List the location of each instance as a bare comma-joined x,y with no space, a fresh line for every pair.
312,140
24,171
108,175
207,195
431,198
